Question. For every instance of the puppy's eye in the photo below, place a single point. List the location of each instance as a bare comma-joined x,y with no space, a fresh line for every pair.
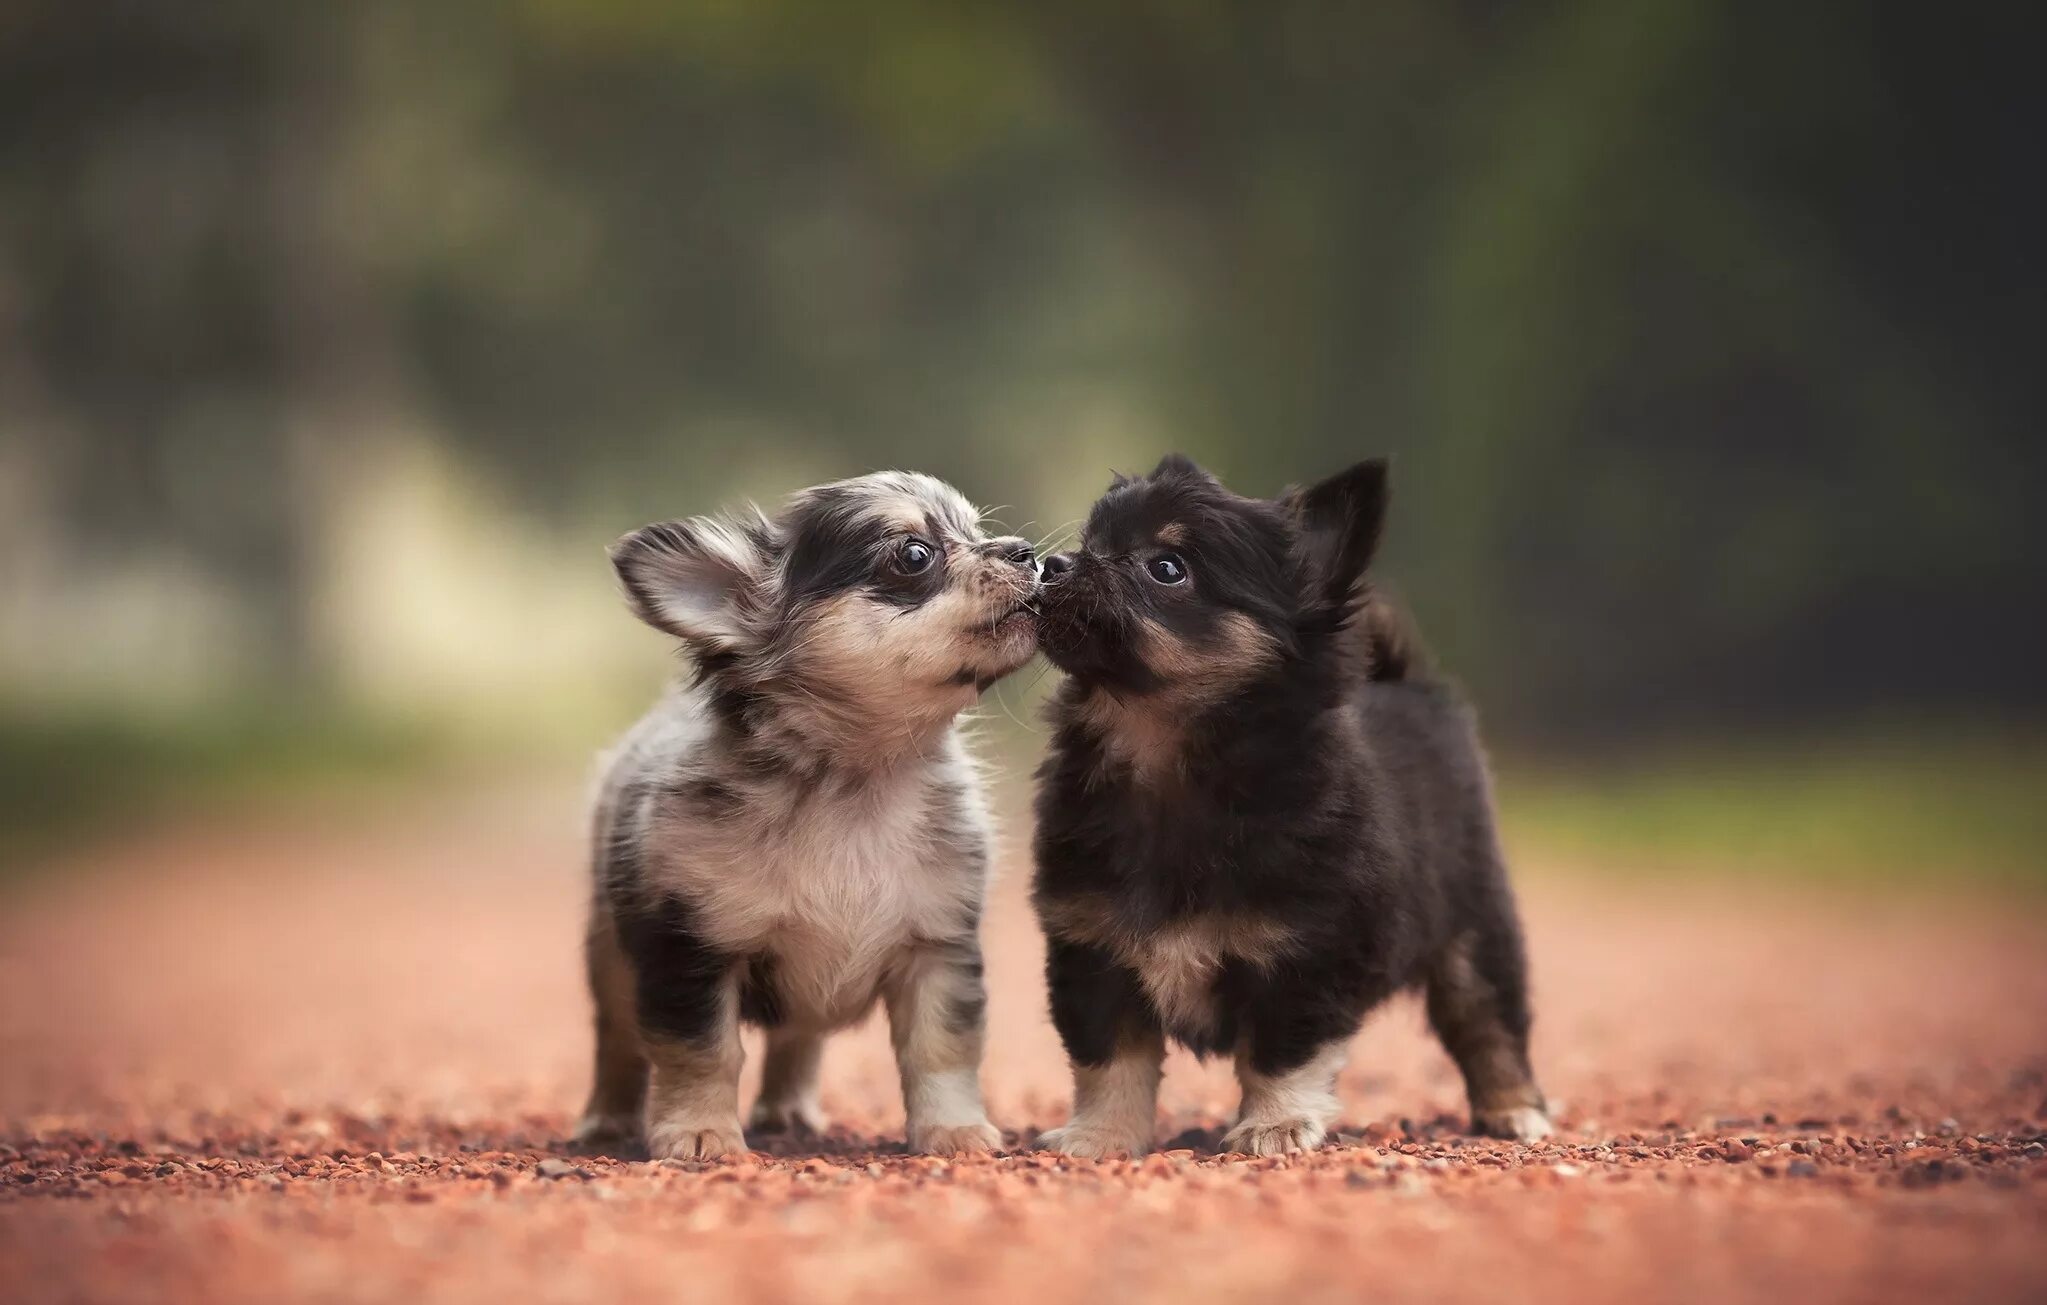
1167,569
914,556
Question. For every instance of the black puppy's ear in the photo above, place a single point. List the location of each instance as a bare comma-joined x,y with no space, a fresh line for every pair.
1178,466
1340,520
700,580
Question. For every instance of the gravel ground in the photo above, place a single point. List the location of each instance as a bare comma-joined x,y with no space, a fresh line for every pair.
335,1059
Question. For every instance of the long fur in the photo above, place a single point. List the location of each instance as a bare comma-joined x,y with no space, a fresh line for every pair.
797,831
1259,817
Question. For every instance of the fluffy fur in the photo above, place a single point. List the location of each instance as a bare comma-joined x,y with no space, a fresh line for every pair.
798,831
1258,818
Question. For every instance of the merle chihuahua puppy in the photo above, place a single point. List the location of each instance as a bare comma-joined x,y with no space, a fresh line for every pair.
1251,829
798,831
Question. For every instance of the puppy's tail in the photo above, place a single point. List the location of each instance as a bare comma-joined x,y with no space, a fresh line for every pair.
1390,648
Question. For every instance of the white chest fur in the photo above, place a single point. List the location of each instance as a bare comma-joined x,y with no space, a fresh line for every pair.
832,884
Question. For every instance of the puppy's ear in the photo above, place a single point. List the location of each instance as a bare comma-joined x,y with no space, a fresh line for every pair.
698,579
1178,466
1340,520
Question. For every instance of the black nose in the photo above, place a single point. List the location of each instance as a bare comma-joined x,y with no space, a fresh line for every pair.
1056,568
1015,550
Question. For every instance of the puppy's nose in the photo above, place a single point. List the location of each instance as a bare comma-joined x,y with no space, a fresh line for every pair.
1056,568
1014,550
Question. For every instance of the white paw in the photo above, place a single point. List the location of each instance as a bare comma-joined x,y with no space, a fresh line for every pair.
955,1139
1515,1123
1093,1143
1274,1137
692,1140
802,1118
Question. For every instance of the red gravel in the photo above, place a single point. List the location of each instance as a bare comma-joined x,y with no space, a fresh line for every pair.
278,1062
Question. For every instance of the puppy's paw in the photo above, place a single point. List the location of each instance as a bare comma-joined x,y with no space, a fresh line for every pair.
1515,1123
600,1133
695,1140
1092,1143
800,1118
955,1139
1274,1137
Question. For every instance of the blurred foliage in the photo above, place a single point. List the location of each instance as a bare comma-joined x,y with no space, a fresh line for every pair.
1910,806
1704,330
1918,806
66,778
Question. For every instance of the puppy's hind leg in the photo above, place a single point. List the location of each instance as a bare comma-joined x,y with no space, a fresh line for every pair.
788,1102
1478,1005
611,1120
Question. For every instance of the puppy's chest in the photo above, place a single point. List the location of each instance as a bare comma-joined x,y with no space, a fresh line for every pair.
1197,970
828,892
1167,889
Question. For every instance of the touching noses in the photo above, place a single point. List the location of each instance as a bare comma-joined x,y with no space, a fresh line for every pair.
1056,568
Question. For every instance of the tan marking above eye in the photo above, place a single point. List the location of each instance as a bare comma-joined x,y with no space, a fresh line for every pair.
1173,534
900,511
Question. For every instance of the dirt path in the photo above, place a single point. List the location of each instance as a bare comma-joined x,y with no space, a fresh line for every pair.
316,1060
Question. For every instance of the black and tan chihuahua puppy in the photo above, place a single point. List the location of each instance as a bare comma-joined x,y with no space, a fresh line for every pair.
1258,819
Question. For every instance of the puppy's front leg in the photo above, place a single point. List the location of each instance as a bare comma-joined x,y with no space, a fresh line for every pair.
1289,1098
693,1099
936,1009
1114,1041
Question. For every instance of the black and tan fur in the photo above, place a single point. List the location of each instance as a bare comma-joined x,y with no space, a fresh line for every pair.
1259,818
798,832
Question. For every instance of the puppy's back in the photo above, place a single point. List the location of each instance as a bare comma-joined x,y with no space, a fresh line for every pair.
1424,743
1421,731
653,750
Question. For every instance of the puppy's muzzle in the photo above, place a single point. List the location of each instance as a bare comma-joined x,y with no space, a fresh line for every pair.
1016,551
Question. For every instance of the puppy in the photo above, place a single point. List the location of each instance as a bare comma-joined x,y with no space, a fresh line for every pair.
1250,831
798,831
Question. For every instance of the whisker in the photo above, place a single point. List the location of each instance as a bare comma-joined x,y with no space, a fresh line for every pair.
1003,702
1060,533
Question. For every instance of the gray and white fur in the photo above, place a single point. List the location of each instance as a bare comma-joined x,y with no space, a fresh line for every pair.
798,831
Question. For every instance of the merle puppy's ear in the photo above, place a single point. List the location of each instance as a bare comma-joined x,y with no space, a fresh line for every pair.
699,580
1340,520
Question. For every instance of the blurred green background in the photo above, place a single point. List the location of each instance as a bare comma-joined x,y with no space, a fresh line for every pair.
336,340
